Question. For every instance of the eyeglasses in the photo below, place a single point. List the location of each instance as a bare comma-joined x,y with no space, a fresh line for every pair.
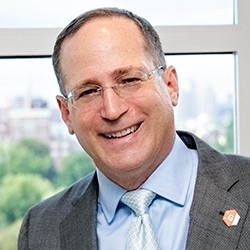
89,96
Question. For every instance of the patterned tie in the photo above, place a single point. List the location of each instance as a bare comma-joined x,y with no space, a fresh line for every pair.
141,233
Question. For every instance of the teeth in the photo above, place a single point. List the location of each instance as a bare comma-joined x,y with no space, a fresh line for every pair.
123,132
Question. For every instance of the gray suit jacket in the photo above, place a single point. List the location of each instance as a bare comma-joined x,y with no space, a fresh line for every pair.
68,219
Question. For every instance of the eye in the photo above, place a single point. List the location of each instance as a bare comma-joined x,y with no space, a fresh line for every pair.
86,92
131,79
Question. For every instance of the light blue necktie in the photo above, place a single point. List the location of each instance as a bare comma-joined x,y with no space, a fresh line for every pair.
141,232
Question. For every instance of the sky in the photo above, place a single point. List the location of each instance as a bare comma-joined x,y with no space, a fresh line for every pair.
35,77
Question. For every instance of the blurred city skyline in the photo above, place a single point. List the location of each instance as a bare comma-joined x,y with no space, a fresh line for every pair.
206,102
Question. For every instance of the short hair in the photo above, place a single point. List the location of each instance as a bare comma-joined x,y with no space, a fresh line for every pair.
152,41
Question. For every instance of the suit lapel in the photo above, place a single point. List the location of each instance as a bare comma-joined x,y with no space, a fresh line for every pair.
207,229
78,229
216,180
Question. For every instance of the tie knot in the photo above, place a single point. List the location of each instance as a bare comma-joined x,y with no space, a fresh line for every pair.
138,200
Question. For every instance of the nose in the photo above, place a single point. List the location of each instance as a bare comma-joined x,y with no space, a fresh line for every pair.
113,105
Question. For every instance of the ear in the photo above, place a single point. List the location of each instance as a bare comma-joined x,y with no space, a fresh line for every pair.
65,114
171,81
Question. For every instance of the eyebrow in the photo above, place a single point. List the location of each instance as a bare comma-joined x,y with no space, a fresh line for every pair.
114,74
122,71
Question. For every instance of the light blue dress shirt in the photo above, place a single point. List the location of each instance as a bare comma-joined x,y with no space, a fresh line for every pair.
173,182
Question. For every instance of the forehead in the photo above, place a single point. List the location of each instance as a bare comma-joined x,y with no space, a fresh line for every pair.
101,32
102,45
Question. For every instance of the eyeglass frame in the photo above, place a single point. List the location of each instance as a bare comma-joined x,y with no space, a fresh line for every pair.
100,89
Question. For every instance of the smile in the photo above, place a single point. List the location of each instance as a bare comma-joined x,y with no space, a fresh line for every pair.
123,132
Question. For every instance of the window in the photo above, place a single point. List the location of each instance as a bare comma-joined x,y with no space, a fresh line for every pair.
206,104
28,105
207,97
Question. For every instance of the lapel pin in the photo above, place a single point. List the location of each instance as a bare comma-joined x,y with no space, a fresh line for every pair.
231,218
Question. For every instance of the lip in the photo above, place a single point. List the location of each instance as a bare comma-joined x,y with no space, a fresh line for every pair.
122,133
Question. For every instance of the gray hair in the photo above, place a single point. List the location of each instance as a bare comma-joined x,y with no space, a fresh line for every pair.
152,41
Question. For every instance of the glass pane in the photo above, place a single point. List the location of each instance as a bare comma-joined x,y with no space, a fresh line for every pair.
28,105
57,13
206,102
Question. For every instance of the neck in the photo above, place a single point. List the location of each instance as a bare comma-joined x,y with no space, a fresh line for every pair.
133,178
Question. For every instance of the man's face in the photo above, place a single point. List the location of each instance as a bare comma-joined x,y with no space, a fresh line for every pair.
126,136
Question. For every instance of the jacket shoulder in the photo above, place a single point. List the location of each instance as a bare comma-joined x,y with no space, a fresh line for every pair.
230,172
63,201
40,228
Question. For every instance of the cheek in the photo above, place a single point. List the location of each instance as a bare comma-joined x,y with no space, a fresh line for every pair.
163,110
160,99
84,132
82,124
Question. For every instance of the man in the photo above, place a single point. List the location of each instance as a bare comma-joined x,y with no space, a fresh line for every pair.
118,98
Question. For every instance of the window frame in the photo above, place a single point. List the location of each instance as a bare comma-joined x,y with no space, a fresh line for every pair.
193,39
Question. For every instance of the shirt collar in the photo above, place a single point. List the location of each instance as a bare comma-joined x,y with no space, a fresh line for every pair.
170,180
109,195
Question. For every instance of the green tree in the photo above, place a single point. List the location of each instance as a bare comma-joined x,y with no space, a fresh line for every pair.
28,156
18,193
34,146
3,160
9,236
74,166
